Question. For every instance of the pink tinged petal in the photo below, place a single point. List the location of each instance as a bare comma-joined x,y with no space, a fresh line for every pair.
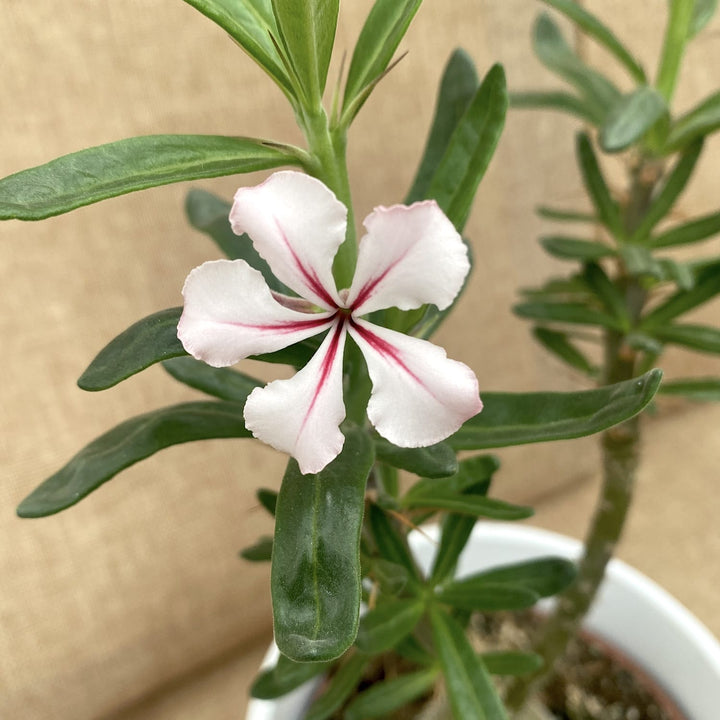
230,314
419,396
301,416
296,224
410,256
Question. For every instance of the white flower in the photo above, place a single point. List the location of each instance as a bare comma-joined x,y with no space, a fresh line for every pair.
410,256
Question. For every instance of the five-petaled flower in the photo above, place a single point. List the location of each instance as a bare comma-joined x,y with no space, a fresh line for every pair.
410,256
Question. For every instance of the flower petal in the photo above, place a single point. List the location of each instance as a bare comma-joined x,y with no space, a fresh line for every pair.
296,224
410,256
419,396
230,314
301,416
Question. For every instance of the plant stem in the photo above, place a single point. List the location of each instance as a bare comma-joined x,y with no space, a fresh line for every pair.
676,37
620,456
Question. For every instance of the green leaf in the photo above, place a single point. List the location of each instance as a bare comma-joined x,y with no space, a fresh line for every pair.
106,171
470,149
470,472
518,418
389,695
568,248
284,677
340,687
315,578
252,25
390,577
144,343
678,272
702,14
701,389
469,686
699,229
380,36
566,312
468,505
390,543
675,183
544,576
486,597
434,461
457,89
128,443
631,118
607,209
639,260
261,551
557,100
559,345
386,625
307,31
608,294
592,27
221,383
561,215
702,120
209,214
553,51
681,302
268,499
511,662
696,337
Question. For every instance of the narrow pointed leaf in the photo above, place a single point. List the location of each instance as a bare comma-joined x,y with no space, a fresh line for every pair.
701,389
700,121
469,505
677,272
607,209
631,118
566,312
561,215
518,418
315,575
511,662
221,383
380,36
106,171
307,30
696,337
683,301
209,214
457,88
391,544
390,695
592,27
553,51
251,24
545,576
470,149
568,248
268,499
702,14
608,294
284,677
470,472
486,596
557,100
386,625
559,345
470,688
699,229
341,686
261,551
639,260
675,183
434,461
127,444
144,343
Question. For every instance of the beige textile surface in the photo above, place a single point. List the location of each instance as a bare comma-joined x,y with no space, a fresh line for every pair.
139,585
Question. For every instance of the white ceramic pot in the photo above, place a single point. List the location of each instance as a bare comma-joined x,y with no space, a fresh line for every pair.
632,613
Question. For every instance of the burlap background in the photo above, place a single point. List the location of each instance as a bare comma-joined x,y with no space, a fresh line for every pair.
136,595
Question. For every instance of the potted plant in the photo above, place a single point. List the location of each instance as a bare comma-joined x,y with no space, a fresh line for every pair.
371,396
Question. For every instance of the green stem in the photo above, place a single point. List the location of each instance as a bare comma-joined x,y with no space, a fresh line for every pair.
620,455
676,37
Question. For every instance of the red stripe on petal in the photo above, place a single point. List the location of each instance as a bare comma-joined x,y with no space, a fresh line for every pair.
370,285
286,327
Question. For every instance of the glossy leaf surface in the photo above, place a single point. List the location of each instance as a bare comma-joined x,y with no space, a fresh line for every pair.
106,171
316,559
517,418
631,118
486,596
470,149
128,443
469,686
144,343
457,88
434,461
221,383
